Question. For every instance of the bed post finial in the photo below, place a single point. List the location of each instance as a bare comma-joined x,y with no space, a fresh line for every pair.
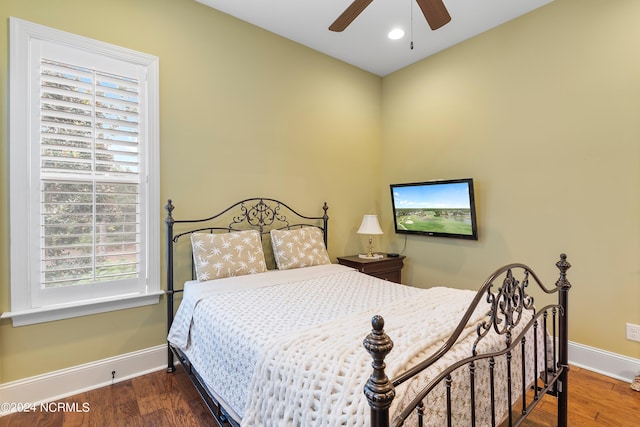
379,390
169,208
563,265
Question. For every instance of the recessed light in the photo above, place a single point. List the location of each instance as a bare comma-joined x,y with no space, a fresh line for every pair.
396,34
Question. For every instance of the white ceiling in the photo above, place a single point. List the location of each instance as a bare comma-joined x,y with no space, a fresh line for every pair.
365,43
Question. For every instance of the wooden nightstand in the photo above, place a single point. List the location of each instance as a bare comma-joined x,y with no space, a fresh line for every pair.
387,268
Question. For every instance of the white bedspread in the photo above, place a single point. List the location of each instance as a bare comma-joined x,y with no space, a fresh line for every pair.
255,340
195,291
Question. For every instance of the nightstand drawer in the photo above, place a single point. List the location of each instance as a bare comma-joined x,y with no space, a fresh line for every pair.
387,268
392,276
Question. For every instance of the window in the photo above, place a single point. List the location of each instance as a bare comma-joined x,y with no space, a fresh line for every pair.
84,181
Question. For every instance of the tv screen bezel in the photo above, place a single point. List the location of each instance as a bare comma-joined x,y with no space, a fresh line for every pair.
472,207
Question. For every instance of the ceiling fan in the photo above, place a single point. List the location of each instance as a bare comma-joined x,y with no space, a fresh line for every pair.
434,11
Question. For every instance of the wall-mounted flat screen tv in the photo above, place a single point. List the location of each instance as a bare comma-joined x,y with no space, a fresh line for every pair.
443,208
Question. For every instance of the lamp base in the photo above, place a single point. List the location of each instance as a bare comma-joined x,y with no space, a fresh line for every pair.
372,256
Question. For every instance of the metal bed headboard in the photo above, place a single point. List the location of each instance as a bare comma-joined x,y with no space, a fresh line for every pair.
258,213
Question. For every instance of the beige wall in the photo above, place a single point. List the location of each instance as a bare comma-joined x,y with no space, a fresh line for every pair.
544,114
244,113
541,112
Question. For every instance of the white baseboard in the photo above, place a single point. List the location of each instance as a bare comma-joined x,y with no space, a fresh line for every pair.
68,382
77,379
604,362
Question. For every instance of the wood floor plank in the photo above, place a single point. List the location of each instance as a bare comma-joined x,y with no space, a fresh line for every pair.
79,418
594,400
170,400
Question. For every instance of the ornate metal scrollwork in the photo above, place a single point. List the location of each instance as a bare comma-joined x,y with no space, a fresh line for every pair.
259,215
507,305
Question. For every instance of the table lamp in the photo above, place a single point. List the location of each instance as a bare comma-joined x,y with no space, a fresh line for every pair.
370,226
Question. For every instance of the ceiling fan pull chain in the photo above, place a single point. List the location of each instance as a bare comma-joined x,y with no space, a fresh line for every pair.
411,23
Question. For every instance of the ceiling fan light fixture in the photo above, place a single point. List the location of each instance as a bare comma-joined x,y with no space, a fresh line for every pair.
434,11
396,34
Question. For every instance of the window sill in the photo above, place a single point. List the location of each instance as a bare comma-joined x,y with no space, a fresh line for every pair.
85,308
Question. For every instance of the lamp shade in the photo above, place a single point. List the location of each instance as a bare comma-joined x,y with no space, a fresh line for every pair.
370,225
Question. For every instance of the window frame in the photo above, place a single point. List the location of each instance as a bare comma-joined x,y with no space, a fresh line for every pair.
23,35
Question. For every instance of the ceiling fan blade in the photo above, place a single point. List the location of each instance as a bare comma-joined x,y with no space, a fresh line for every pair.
435,12
349,15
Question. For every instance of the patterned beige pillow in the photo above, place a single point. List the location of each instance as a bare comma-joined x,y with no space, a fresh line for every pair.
300,247
229,254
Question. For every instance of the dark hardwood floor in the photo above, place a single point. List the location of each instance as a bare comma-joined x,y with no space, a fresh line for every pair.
161,399
594,400
157,399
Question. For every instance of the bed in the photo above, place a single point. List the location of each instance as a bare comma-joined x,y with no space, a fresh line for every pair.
272,333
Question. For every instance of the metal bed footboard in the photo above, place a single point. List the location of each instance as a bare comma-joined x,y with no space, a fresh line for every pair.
507,306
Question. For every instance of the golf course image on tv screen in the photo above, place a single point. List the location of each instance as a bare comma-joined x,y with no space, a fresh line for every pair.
453,221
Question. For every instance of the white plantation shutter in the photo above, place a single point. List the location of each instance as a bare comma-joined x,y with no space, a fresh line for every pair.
84,178
90,175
